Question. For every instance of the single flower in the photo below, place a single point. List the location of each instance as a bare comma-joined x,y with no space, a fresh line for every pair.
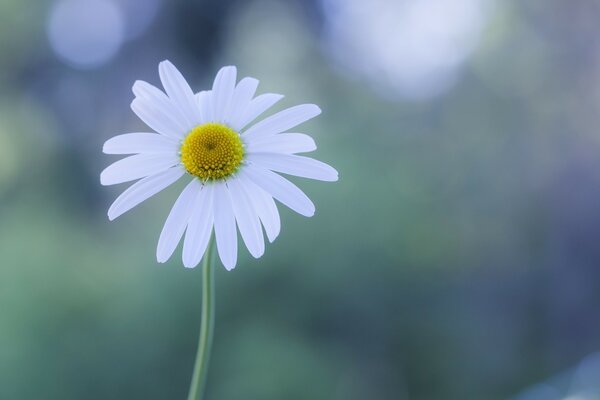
233,164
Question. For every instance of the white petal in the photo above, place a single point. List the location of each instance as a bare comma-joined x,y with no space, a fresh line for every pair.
156,118
257,106
222,89
204,100
242,95
199,227
132,143
304,167
142,190
177,221
225,232
282,121
148,91
281,189
136,167
264,206
179,91
247,219
158,111
286,143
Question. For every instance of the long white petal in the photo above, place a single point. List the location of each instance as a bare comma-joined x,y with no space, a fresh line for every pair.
150,93
222,90
282,121
157,118
199,227
225,231
286,143
304,167
257,106
179,91
247,219
281,189
264,206
242,95
142,190
136,167
177,221
132,143
158,111
204,100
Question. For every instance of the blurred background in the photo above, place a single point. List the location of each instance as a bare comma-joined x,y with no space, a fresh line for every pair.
458,256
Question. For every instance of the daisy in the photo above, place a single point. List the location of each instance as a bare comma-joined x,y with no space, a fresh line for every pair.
233,163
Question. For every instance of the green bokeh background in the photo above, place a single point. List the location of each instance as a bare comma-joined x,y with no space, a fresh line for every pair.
456,258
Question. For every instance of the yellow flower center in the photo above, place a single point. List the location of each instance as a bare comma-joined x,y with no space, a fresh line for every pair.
212,151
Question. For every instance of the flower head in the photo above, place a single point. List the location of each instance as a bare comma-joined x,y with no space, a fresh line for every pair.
233,164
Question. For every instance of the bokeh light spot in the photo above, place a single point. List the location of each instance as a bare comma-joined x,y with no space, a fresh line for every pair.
85,33
413,49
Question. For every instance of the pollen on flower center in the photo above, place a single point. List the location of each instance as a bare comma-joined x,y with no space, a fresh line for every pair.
212,151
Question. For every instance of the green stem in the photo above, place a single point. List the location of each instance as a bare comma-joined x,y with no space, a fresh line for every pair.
206,326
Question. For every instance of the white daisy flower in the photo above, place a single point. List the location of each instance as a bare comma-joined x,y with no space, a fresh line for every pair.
234,164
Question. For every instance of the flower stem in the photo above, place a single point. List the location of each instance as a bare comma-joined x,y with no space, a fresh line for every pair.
207,325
